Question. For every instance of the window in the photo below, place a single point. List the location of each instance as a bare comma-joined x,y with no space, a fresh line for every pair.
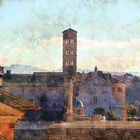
71,52
69,63
67,52
71,41
119,89
95,100
66,41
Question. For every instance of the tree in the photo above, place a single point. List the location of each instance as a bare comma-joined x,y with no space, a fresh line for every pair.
110,115
132,111
100,111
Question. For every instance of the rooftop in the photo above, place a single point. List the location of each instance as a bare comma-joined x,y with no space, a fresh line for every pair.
69,30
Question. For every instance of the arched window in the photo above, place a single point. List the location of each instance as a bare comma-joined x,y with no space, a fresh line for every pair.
95,100
71,62
71,52
67,52
66,63
71,41
66,41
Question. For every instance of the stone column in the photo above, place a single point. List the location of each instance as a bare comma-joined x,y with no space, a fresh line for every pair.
69,99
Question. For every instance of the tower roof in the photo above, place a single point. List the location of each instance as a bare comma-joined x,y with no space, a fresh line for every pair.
69,30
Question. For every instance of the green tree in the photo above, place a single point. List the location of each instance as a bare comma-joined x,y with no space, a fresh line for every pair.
132,111
100,111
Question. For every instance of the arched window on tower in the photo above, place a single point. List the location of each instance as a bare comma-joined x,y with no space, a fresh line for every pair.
66,41
67,52
69,63
71,41
71,52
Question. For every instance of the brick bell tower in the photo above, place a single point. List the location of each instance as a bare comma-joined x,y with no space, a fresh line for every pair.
69,69
69,50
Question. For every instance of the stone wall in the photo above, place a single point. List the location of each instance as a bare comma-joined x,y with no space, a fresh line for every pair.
78,134
50,99
30,134
132,92
85,130
51,95
31,130
94,92
93,134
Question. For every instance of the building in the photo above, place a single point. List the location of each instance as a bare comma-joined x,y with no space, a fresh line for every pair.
67,92
12,109
8,117
69,50
119,92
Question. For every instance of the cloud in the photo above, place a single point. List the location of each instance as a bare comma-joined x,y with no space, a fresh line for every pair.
112,64
45,55
108,43
108,55
52,41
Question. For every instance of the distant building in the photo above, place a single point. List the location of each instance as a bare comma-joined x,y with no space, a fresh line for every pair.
119,92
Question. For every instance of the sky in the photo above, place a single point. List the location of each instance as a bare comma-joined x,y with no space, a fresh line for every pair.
108,33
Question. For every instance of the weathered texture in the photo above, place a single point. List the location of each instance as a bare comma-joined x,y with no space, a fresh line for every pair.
93,134
69,99
93,91
133,92
8,118
119,92
69,50
30,135
86,130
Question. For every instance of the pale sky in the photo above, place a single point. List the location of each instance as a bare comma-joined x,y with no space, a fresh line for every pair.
108,33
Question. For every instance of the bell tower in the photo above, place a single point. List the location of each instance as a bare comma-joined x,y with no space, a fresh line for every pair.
69,51
69,69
